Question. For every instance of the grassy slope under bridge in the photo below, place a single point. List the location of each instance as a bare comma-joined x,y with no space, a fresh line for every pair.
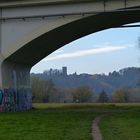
71,122
43,125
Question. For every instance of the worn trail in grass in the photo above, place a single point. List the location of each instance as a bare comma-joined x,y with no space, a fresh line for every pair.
96,133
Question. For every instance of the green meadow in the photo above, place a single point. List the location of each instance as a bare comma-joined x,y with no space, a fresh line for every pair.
44,125
121,126
71,122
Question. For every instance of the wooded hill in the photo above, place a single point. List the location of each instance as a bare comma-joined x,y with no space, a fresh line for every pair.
127,77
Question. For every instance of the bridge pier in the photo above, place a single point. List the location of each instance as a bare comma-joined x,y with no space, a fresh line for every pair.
15,93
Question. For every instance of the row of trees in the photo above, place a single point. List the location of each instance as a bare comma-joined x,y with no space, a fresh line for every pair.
45,91
126,94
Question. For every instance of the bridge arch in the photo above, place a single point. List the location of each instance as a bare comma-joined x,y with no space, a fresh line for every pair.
38,48
15,69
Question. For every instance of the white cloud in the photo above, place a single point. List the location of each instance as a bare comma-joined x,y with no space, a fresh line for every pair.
81,53
58,52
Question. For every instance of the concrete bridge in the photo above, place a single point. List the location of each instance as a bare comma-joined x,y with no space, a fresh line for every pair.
32,29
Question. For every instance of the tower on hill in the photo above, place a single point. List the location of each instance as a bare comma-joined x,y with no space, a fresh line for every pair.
64,71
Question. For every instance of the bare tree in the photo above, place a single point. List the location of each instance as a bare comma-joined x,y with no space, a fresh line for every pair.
43,90
82,94
122,95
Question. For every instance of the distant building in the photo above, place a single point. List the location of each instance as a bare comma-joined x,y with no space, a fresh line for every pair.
64,71
56,72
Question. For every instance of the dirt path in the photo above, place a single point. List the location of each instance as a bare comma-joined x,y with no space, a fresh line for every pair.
96,134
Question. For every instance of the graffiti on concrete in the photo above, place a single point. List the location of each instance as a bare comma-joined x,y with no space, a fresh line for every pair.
25,99
8,101
1,97
1,100
11,100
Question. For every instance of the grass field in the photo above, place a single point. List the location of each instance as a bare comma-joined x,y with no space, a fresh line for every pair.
71,122
121,126
43,125
88,106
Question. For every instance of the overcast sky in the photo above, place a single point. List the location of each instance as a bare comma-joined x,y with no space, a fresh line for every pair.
101,52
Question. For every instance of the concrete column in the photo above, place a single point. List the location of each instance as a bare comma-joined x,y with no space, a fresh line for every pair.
16,91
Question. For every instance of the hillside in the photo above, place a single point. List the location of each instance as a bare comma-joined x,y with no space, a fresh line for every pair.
98,82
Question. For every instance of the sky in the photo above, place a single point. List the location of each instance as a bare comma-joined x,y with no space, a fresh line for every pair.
101,52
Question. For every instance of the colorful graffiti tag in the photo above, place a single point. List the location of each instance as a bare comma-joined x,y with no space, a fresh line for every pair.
1,100
11,101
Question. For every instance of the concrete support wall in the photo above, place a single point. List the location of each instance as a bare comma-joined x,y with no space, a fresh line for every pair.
16,92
